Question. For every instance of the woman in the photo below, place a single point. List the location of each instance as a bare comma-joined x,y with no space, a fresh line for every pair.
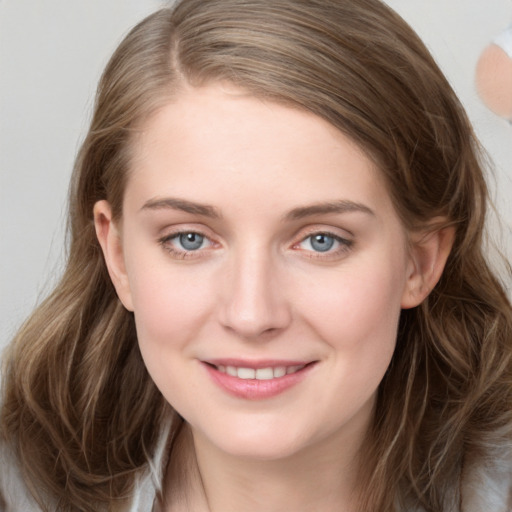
276,296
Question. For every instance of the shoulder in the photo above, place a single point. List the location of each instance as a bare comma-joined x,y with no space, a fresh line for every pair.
15,496
13,490
504,41
488,485
149,484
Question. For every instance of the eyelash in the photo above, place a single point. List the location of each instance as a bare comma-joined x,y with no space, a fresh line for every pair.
166,243
344,245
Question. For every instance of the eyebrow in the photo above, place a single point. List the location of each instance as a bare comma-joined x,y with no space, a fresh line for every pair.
182,205
341,206
206,210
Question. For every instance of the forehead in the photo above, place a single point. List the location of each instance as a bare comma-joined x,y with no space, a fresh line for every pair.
217,139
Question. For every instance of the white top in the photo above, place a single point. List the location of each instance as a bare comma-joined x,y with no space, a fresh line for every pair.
18,498
504,41
488,490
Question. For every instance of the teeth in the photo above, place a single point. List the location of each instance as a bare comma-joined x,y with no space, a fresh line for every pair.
280,371
260,373
264,373
293,369
246,373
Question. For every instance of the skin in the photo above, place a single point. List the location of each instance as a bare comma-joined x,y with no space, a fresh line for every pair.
257,288
494,80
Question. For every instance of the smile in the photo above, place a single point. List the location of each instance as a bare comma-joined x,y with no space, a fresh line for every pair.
257,381
259,373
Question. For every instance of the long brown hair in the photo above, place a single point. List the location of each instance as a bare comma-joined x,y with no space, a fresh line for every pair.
80,411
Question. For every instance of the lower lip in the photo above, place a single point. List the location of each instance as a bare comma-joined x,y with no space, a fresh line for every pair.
254,389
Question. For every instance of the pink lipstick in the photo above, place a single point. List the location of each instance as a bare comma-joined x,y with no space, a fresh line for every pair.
256,380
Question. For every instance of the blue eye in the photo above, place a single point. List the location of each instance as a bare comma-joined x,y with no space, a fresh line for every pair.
322,242
187,244
190,241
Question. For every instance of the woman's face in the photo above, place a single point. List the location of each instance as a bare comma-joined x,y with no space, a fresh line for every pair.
266,268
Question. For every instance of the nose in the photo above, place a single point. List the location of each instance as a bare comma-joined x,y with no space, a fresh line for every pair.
253,303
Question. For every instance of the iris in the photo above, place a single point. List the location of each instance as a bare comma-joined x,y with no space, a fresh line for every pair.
191,241
322,242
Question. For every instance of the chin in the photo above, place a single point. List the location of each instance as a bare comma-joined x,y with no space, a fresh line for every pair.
262,449
259,439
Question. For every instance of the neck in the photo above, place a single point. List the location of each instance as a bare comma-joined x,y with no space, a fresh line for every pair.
319,478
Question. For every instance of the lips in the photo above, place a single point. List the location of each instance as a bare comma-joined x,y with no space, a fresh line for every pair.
257,380
267,373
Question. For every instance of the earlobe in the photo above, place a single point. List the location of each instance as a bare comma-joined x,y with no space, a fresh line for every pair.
429,252
110,241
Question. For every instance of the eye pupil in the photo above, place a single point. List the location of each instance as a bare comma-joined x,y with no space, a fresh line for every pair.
191,241
322,243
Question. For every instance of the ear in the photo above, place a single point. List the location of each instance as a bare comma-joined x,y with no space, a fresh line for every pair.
428,254
109,238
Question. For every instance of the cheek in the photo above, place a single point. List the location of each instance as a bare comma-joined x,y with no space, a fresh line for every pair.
170,308
356,315
357,301
358,320
170,303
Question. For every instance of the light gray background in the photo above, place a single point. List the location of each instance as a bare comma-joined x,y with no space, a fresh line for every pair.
51,55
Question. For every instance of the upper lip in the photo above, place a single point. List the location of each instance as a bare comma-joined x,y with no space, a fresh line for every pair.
256,364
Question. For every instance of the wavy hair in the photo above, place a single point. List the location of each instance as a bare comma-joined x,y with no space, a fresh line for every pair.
79,408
